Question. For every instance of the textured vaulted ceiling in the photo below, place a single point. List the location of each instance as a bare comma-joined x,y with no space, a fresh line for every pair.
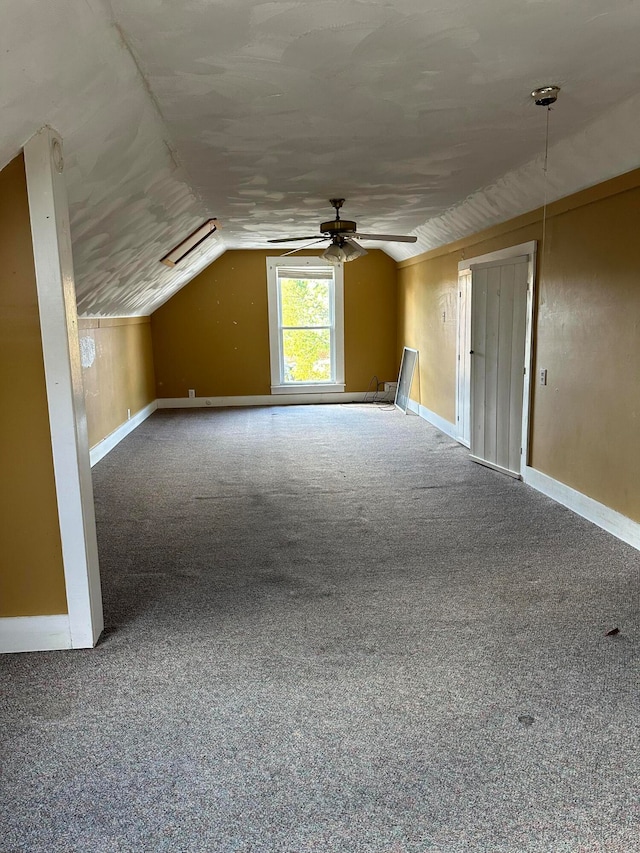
417,111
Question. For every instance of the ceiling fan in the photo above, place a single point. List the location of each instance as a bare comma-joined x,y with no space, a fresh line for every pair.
342,234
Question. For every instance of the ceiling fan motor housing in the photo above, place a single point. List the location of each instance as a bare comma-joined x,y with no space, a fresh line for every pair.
342,232
338,226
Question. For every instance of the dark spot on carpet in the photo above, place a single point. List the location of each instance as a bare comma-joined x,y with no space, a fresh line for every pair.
277,579
613,632
49,708
526,719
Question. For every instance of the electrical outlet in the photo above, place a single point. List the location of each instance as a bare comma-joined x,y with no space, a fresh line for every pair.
192,393
543,375
128,414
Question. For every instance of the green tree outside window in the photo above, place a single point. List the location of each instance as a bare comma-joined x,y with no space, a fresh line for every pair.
305,306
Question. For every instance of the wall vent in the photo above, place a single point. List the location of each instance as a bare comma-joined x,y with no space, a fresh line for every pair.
190,243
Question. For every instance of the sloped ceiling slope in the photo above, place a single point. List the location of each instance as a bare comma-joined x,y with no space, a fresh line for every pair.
417,111
64,64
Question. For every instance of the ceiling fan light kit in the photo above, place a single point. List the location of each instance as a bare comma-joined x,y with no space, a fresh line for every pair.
341,232
353,250
334,254
341,251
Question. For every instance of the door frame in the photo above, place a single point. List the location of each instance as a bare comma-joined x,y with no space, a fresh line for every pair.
464,310
529,249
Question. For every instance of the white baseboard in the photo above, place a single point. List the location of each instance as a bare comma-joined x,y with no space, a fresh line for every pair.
266,400
603,516
34,633
435,420
100,450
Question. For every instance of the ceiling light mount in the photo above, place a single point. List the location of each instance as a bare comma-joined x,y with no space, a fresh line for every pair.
545,95
337,225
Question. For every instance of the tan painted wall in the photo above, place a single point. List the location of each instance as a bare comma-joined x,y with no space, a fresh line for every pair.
428,322
117,371
370,311
586,421
213,335
31,569
587,418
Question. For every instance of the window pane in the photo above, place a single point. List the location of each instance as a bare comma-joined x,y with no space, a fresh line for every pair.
305,302
307,355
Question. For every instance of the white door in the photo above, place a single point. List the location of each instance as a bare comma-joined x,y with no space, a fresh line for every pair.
498,324
463,400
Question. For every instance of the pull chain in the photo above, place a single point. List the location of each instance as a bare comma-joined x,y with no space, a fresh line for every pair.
545,97
544,207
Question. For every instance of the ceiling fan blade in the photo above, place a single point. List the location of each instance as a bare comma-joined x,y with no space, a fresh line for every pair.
391,238
293,239
302,248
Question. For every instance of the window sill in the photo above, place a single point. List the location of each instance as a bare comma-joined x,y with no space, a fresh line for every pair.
315,388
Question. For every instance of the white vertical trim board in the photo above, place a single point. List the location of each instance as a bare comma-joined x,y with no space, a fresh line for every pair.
100,450
463,359
528,356
603,516
34,633
49,214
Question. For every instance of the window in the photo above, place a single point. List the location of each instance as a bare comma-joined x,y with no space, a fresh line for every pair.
306,327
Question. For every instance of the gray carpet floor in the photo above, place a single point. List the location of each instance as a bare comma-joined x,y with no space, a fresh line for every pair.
329,630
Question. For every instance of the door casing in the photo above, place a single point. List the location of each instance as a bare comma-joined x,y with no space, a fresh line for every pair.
464,268
463,360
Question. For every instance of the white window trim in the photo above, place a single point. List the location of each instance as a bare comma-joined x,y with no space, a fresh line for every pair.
295,262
